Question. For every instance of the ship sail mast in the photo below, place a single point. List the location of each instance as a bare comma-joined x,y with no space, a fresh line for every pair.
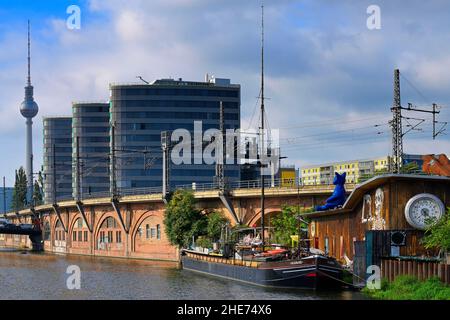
261,156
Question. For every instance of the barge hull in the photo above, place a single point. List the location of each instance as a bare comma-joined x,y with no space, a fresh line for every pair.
306,276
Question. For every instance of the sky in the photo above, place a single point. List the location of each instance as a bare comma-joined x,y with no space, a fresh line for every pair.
329,78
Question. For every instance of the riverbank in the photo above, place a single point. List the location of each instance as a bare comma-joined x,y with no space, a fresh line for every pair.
410,288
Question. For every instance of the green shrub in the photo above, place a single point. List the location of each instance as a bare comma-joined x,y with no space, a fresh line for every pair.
287,224
204,242
182,220
437,234
410,288
216,221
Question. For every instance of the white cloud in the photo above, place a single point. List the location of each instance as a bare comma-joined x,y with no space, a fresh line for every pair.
320,63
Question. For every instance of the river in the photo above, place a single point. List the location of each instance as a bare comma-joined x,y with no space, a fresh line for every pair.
43,276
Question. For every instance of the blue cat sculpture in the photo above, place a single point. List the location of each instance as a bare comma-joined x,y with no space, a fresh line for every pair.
338,197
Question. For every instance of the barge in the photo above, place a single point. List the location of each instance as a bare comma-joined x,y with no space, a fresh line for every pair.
315,271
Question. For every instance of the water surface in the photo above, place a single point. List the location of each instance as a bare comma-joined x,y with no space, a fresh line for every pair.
43,276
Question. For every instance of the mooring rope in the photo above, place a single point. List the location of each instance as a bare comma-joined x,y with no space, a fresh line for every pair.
337,279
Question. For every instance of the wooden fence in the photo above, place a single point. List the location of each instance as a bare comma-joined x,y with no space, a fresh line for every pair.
391,268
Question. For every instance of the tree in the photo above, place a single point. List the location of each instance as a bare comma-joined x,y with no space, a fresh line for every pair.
216,221
37,193
41,179
182,220
411,167
286,224
437,234
19,198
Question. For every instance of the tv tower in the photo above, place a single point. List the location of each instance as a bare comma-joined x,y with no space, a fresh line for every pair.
29,109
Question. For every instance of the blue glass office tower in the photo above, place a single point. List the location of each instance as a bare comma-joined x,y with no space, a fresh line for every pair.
57,164
142,111
90,130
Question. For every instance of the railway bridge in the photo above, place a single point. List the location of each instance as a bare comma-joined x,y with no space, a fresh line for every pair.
131,225
33,231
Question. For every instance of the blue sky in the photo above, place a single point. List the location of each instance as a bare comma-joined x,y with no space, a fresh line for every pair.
328,77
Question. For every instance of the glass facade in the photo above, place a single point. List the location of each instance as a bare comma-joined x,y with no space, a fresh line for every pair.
91,126
140,112
57,137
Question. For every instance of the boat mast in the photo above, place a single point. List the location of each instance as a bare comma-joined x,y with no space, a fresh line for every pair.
262,126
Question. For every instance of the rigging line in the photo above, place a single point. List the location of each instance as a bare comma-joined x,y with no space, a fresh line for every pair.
267,129
254,109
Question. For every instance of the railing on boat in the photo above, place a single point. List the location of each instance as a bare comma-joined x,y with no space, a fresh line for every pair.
219,259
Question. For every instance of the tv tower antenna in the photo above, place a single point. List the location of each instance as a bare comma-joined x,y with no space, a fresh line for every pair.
29,109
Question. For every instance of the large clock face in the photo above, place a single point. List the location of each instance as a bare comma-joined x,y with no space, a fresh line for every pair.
422,208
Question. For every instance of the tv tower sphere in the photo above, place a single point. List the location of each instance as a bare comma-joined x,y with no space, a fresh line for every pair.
29,108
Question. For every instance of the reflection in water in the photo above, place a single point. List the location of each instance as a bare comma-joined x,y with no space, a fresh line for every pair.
43,276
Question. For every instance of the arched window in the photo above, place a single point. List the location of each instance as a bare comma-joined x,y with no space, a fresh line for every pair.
60,234
110,231
47,231
80,232
152,232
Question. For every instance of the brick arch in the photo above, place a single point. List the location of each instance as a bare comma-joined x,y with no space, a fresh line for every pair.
72,223
54,233
54,223
44,221
136,226
103,217
257,216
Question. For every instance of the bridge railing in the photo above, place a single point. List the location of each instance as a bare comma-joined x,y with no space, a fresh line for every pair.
140,191
302,182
